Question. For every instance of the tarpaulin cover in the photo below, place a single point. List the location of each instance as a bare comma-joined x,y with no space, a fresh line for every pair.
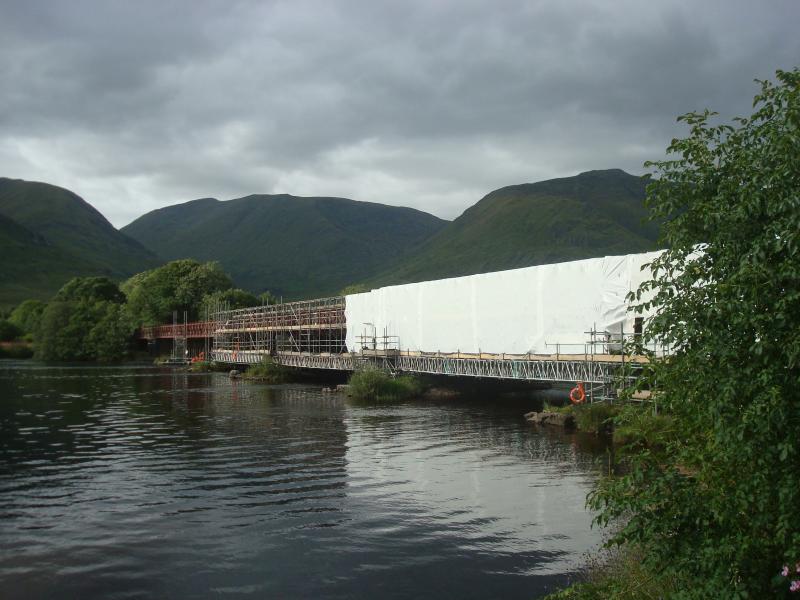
514,312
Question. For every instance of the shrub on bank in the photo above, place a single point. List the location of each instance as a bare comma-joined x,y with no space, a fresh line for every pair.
268,371
16,350
639,427
9,331
596,417
207,366
374,384
617,573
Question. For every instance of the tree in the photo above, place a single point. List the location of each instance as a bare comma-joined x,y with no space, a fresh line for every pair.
27,315
718,513
9,331
85,320
179,286
229,299
96,288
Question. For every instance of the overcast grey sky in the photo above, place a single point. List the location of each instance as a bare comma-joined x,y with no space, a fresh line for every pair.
136,105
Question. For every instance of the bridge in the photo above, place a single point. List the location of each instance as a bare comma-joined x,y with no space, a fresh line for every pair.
559,323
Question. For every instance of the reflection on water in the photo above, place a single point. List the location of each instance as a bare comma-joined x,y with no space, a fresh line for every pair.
134,482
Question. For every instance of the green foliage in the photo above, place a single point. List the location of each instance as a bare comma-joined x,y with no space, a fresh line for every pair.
718,508
374,384
85,321
204,366
232,299
638,427
617,574
300,247
268,371
267,298
355,288
90,288
9,331
27,315
592,214
595,417
179,286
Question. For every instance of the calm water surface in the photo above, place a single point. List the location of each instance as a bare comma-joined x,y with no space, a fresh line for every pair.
148,483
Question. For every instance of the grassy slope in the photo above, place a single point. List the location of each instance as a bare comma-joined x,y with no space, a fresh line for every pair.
48,235
592,214
295,247
28,265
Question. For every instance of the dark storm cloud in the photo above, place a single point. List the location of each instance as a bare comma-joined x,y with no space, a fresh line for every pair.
427,104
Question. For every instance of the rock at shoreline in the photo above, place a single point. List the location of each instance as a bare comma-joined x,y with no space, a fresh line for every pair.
234,374
556,419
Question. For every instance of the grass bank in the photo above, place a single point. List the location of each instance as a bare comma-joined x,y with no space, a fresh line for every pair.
616,573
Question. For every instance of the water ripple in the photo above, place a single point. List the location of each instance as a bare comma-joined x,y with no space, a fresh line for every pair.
143,482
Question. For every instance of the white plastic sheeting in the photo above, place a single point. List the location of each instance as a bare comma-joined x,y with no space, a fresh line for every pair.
514,312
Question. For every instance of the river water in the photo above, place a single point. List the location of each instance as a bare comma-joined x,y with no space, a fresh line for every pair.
125,482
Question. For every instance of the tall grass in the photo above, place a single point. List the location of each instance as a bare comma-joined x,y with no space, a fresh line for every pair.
268,371
374,384
597,417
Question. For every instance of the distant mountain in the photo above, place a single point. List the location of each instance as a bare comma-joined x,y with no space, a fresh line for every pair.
293,246
593,214
49,235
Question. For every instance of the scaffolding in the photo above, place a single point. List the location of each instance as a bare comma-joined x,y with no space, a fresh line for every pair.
310,326
312,335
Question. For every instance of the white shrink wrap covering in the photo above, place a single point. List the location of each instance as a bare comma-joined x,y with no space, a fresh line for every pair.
518,311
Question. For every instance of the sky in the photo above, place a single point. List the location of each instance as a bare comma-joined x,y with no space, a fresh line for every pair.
422,103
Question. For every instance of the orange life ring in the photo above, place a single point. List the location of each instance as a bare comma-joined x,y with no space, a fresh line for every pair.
578,394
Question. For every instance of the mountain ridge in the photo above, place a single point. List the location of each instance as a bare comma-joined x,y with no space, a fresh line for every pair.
69,237
296,246
591,214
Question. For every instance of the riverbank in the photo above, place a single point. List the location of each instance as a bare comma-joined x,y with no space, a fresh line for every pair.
16,350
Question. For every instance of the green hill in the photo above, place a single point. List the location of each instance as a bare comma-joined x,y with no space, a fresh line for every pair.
293,246
593,214
49,235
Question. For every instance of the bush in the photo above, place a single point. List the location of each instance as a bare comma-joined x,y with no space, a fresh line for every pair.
16,351
638,427
617,573
375,384
597,417
206,366
9,332
268,371
27,316
717,509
